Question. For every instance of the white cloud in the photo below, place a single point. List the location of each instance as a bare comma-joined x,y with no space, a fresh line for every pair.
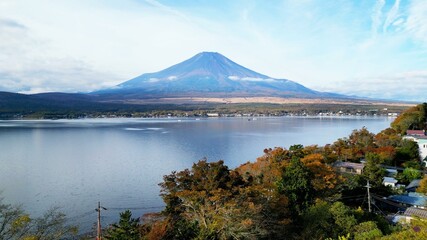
251,79
82,45
408,86
376,16
234,78
392,15
153,80
26,65
416,23
113,43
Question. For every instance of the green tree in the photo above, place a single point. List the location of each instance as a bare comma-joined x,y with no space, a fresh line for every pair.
409,174
367,230
127,228
413,118
416,230
408,151
296,186
317,221
343,217
372,171
297,150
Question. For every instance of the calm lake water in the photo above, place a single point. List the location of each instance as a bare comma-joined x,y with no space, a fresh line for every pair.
73,164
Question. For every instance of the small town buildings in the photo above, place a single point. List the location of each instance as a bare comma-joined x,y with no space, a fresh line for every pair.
391,172
390,181
408,215
411,199
349,167
411,212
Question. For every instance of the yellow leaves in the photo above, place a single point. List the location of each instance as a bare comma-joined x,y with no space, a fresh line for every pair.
30,238
423,185
21,222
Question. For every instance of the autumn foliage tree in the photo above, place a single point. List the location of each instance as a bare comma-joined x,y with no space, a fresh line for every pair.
217,199
414,118
423,185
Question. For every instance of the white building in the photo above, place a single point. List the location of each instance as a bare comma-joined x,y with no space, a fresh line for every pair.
213,114
418,136
389,181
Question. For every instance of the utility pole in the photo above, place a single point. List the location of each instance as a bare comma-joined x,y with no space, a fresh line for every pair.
99,229
369,197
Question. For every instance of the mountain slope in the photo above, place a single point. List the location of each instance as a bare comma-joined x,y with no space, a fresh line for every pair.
208,74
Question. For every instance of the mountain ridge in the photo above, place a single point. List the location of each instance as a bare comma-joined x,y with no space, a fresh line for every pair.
209,74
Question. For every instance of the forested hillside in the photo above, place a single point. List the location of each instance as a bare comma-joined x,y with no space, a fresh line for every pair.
293,193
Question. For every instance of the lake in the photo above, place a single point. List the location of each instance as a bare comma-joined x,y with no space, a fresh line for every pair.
73,164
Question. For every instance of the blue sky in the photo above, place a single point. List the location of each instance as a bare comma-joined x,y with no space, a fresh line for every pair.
372,48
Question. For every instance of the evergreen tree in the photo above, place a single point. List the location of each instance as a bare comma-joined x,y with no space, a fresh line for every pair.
296,186
373,172
127,228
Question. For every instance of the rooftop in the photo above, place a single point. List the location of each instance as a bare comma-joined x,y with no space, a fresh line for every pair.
414,184
349,165
416,212
390,180
416,132
414,199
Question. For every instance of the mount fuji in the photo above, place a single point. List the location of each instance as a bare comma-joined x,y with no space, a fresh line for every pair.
209,74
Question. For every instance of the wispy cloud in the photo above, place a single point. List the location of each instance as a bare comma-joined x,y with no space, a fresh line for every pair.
167,9
9,23
416,23
376,16
392,15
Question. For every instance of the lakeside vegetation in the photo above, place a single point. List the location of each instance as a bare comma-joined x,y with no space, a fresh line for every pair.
196,110
74,106
290,193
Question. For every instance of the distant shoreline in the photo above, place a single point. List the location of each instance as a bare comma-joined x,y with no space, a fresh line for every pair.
268,100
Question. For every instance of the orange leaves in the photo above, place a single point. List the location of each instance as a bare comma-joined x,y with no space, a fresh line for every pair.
158,230
324,176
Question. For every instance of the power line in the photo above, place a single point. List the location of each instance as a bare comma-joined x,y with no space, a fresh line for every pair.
381,199
135,208
80,216
355,196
